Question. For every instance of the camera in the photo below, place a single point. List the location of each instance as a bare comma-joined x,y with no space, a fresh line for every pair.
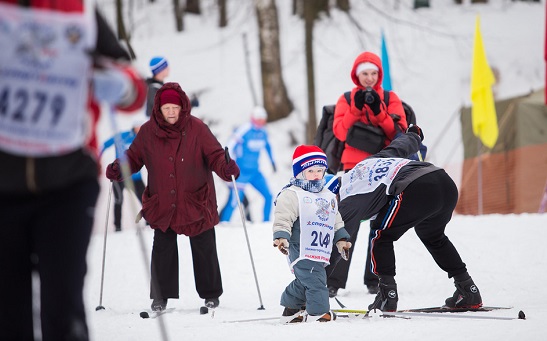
369,98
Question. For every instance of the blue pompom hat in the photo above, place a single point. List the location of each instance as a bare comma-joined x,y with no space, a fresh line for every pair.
158,64
306,156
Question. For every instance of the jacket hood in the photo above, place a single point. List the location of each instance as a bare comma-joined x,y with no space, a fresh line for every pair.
371,58
184,111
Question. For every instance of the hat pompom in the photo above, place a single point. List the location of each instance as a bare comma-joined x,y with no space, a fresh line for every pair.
306,156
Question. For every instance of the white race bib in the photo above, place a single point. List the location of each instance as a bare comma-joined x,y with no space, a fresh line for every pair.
317,218
44,78
368,174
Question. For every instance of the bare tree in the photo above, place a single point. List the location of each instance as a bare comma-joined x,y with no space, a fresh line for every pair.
276,100
193,6
310,10
222,16
122,32
309,17
178,15
343,5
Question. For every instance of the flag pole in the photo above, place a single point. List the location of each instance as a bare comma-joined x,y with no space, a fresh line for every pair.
479,176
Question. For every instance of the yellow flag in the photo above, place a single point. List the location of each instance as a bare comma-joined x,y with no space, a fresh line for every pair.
483,111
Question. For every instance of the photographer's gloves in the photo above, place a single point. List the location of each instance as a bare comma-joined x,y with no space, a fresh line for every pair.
369,98
373,101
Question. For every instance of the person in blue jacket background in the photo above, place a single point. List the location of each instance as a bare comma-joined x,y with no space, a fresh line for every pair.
126,138
245,146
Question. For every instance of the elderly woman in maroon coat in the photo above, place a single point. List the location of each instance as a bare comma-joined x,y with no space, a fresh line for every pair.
180,154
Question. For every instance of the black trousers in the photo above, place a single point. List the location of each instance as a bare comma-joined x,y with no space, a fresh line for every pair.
338,269
47,234
427,205
165,265
118,199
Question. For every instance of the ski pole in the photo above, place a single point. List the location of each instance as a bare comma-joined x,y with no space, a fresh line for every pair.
100,306
242,214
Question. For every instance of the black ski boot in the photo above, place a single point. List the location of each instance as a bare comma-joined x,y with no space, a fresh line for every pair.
159,304
467,294
387,297
212,302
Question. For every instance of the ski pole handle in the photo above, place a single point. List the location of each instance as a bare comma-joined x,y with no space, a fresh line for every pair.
227,154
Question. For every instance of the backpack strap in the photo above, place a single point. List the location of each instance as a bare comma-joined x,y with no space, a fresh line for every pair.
386,98
347,95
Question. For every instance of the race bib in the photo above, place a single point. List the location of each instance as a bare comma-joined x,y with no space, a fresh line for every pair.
44,79
368,174
317,218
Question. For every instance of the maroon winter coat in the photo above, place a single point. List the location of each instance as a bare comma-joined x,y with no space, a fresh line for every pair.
180,159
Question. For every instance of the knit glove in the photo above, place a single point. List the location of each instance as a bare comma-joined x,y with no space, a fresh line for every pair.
113,171
343,247
231,169
282,245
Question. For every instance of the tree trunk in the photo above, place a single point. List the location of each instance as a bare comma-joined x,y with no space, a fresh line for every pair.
222,16
178,15
343,5
193,6
276,101
122,33
309,17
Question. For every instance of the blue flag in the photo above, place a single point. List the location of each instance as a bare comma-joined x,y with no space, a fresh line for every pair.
386,82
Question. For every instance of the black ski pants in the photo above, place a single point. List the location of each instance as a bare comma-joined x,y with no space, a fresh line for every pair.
338,269
165,265
48,235
427,205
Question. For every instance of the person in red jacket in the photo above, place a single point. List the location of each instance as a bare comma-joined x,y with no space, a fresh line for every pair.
180,154
367,75
56,62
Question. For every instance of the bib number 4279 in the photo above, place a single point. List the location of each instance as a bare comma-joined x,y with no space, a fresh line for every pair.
23,107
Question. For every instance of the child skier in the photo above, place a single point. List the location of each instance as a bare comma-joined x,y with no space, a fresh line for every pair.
308,245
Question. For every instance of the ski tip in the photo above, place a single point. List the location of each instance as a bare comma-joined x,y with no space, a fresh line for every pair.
144,314
203,310
522,316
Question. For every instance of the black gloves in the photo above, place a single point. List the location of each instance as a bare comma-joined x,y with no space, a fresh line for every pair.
370,97
359,99
416,130
373,100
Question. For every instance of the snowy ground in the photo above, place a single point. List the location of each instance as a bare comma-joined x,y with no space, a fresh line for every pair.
430,54
505,254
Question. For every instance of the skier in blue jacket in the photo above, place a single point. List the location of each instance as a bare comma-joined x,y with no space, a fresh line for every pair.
245,146
126,138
